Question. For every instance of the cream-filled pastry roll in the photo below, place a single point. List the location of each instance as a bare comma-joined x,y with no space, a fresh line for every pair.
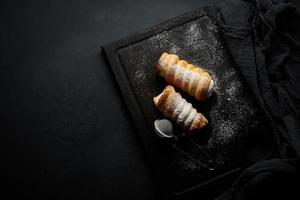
188,77
173,106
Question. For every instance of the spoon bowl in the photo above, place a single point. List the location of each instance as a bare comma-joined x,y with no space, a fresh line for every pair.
164,129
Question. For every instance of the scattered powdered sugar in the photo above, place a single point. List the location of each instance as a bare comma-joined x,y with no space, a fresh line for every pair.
189,164
193,36
174,49
232,110
140,77
199,39
212,27
160,40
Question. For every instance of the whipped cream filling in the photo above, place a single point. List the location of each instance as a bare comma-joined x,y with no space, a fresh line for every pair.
211,88
190,118
183,112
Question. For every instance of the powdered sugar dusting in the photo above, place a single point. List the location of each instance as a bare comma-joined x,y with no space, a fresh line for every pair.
193,35
204,39
139,77
189,165
174,49
227,121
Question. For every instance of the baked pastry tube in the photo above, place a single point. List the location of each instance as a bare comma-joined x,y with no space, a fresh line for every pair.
173,106
189,78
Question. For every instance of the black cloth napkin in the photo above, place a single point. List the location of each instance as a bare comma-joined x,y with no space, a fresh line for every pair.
263,37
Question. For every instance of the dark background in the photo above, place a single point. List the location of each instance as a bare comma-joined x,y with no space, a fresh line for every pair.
65,131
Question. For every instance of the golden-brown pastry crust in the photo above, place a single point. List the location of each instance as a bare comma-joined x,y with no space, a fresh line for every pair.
173,106
188,77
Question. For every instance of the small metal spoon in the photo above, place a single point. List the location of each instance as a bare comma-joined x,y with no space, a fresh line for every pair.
164,128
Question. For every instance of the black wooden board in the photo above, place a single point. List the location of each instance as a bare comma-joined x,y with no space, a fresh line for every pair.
232,111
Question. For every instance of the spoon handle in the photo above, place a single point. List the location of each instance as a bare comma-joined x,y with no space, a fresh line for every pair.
203,151
192,158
